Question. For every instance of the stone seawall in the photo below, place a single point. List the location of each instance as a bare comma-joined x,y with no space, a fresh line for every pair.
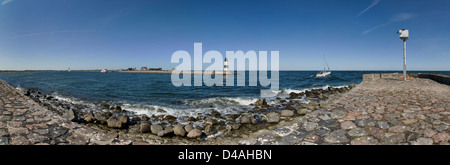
443,79
382,110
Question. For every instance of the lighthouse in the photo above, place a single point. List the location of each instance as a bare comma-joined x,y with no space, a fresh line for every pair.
225,66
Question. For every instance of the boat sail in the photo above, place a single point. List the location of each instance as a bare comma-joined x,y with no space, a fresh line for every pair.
324,73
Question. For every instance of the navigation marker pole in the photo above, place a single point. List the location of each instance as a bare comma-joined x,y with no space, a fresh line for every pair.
404,35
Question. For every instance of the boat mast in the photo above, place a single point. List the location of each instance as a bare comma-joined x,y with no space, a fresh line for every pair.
325,61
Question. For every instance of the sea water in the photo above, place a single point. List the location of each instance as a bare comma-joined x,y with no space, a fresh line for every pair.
155,94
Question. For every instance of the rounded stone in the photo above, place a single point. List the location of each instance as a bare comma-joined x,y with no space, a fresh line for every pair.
188,127
195,133
155,128
145,127
286,113
245,120
348,125
358,132
179,130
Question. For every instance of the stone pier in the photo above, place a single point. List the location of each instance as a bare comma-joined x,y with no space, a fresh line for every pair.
382,110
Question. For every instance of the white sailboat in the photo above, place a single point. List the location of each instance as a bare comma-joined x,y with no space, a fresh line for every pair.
324,73
104,71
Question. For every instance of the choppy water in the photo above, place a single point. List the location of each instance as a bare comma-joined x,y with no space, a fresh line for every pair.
146,93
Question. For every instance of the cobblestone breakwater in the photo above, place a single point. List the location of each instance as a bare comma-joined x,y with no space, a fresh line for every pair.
379,111
384,110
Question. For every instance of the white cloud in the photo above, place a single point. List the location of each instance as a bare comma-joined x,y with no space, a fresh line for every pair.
375,28
402,17
374,3
6,2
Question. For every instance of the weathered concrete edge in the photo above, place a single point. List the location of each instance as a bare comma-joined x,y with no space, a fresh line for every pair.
443,79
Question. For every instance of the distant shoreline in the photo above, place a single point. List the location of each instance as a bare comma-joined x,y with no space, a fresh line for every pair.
170,72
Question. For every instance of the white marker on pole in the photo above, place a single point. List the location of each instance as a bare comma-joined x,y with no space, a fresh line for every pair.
404,35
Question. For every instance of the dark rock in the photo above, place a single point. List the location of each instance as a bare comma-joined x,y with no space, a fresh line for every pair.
56,132
260,102
234,116
103,117
328,123
4,141
114,123
200,117
210,130
215,113
233,126
352,85
167,132
161,111
211,122
48,97
245,120
124,119
145,128
104,106
28,93
136,119
179,130
192,119
155,128
170,118
322,131
145,117
89,117
70,115
117,109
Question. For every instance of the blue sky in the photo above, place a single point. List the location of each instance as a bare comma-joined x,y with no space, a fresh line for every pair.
113,34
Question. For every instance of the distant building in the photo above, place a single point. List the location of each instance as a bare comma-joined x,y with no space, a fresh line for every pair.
155,69
225,65
144,68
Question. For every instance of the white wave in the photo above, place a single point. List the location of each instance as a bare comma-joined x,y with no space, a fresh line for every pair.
221,101
244,101
72,100
180,112
20,89
288,91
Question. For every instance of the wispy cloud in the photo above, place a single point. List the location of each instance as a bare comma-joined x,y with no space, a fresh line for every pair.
375,28
6,2
47,33
402,17
396,18
372,4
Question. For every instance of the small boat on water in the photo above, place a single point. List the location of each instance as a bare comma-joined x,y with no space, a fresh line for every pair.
325,72
104,71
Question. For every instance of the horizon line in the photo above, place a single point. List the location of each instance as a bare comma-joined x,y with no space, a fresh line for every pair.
7,70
